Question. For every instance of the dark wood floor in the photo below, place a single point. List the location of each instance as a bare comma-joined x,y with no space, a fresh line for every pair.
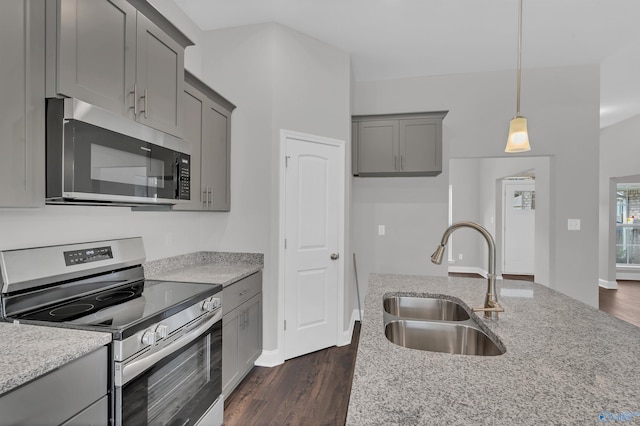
624,302
309,390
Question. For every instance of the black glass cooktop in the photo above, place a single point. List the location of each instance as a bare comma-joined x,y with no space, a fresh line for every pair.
130,307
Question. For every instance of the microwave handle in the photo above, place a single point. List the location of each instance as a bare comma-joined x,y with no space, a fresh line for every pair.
135,368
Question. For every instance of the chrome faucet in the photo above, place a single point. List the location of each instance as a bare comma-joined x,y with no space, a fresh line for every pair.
491,305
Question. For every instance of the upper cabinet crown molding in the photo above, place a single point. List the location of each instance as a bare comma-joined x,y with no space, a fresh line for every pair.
120,55
162,22
390,145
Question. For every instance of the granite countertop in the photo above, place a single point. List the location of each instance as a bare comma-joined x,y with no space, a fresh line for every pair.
205,267
566,363
29,351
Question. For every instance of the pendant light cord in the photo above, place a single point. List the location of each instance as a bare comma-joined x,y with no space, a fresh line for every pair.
519,78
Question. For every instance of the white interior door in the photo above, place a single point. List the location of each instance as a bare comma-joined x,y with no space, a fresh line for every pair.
312,191
519,227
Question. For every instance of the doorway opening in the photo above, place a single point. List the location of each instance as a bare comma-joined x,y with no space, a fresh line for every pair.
478,194
627,223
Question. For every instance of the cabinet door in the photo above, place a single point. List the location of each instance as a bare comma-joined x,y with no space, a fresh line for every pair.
250,344
96,53
22,89
193,107
378,146
160,76
216,157
420,149
230,338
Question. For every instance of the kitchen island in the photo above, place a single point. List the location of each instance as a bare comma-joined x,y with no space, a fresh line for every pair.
565,362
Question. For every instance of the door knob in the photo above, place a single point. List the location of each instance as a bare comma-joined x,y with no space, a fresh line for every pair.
334,256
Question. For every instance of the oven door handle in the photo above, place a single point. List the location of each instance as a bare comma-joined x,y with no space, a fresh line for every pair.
132,370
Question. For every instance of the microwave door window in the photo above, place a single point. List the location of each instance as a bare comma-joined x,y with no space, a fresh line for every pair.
123,172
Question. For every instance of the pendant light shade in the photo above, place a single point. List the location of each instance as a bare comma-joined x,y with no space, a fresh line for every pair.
518,140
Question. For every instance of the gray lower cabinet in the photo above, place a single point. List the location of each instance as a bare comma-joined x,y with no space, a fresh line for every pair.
111,55
241,330
64,396
397,144
207,118
22,128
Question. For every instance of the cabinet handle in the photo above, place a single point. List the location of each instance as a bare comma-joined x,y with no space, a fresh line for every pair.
203,198
145,97
135,99
395,162
210,198
402,162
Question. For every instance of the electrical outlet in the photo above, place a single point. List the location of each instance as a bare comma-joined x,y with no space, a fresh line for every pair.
573,224
381,230
460,256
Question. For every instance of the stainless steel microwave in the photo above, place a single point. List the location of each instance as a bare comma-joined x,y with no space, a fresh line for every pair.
97,157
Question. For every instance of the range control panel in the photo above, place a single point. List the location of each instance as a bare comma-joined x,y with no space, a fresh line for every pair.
77,257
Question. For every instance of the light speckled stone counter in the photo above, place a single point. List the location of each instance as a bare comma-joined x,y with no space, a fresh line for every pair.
29,351
205,267
566,363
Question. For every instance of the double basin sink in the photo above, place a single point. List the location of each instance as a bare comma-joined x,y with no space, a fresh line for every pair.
436,324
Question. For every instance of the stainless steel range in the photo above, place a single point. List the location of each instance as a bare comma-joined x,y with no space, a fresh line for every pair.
167,336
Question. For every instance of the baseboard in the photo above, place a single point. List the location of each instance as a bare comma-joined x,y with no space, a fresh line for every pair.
612,285
468,270
635,276
347,335
270,358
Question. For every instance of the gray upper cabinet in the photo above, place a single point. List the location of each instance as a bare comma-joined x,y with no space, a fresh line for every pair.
96,52
207,117
22,128
216,157
109,54
159,78
397,144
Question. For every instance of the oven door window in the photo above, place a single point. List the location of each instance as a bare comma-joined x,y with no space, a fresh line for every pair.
179,389
106,162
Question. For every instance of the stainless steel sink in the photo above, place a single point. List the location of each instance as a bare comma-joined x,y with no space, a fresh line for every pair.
424,308
441,337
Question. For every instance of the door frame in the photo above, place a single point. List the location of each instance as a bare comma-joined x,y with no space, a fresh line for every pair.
341,145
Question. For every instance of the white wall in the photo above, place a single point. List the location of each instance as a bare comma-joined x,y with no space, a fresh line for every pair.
562,105
164,233
619,153
279,79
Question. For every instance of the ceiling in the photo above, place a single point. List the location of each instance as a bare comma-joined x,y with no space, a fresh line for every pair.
390,39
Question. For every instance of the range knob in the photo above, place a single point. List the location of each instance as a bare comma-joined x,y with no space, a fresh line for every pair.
211,304
162,331
150,337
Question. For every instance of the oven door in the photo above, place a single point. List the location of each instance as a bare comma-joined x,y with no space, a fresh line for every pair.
180,388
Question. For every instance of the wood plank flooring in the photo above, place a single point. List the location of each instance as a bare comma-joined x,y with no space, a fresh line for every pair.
624,302
309,390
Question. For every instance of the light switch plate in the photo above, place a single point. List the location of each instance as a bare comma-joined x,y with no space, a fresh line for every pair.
573,224
381,230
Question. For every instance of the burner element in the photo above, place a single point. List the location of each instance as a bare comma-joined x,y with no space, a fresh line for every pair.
69,310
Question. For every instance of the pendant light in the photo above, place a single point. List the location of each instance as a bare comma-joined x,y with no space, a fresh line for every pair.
518,140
